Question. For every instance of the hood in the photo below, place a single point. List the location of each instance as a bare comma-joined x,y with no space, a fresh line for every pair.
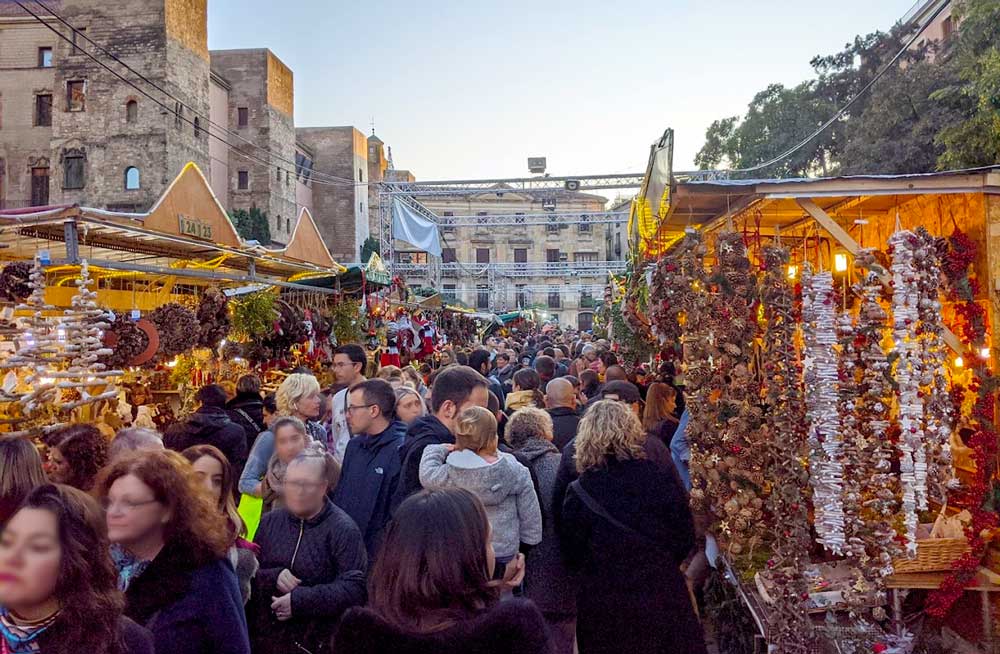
207,421
395,431
492,483
536,448
244,400
520,399
427,430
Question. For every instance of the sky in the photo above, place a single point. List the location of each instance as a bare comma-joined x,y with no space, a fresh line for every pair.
470,90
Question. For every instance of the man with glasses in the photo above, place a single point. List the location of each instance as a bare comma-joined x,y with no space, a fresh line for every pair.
371,463
349,369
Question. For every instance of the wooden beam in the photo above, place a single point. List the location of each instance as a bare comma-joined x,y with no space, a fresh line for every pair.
840,235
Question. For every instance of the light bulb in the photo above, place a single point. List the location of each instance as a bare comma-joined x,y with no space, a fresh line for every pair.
985,353
959,362
840,262
793,272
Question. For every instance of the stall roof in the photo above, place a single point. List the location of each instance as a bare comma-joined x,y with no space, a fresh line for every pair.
186,233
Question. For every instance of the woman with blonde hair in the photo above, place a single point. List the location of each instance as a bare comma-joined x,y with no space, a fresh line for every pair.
392,374
625,528
409,405
299,397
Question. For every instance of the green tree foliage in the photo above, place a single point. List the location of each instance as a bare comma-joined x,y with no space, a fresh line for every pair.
369,247
252,225
937,107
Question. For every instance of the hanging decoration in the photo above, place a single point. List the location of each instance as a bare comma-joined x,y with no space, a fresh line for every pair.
963,287
125,340
253,315
15,283
784,436
213,318
938,413
821,376
178,329
667,292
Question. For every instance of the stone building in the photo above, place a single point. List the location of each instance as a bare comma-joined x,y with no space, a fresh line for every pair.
557,267
72,132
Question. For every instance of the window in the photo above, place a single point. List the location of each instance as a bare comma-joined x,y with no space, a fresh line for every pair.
585,257
288,178
586,300
552,256
80,33
131,178
482,296
73,171
552,227
448,255
197,127
412,257
947,28
242,117
361,207
45,57
584,227
447,225
43,111
449,293
39,186
277,175
132,111
520,297
585,322
178,115
618,244
243,180
520,255
288,224
519,218
76,95
554,299
481,218
361,175
482,255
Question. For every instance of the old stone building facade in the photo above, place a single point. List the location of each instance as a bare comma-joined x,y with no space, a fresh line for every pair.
71,132
555,267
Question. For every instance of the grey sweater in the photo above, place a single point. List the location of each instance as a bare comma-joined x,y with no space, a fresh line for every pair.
504,488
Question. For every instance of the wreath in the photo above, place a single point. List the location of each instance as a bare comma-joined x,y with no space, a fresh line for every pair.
178,328
213,318
14,282
126,340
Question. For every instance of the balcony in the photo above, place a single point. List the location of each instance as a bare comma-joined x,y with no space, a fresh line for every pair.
531,269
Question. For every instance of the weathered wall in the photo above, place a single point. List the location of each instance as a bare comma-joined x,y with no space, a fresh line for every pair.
218,151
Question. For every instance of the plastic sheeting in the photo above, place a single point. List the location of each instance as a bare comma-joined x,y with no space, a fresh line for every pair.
417,230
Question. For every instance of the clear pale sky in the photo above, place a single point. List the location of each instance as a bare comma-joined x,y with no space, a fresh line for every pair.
464,89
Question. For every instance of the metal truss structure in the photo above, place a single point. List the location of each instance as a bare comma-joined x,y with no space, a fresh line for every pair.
528,219
494,271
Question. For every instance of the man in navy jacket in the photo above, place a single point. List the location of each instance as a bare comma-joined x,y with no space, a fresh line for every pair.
371,463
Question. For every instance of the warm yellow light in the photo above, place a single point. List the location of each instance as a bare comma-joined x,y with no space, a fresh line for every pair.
840,262
793,272
171,364
985,353
959,362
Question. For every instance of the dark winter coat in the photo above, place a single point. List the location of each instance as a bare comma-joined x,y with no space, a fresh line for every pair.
546,580
564,424
191,607
210,425
368,481
253,407
512,627
328,555
631,594
133,639
425,431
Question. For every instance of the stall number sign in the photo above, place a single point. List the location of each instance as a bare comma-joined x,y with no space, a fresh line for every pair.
194,228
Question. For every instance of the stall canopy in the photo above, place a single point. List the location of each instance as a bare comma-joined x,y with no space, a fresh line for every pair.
187,234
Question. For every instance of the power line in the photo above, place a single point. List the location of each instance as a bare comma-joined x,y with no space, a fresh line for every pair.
850,102
343,182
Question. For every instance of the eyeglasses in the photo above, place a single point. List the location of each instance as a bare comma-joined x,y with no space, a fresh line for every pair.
126,506
359,406
303,486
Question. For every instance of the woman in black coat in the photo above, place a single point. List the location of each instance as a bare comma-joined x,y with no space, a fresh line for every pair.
625,528
58,587
312,564
431,588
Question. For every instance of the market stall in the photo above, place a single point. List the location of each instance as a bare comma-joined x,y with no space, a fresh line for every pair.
835,342
116,318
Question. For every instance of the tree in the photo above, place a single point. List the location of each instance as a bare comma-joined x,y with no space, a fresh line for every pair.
252,225
368,248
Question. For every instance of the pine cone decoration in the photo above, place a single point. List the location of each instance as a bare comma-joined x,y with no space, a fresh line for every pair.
213,318
129,342
14,284
178,328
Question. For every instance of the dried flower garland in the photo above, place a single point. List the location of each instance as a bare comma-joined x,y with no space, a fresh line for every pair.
178,328
821,376
213,318
963,287
906,372
791,630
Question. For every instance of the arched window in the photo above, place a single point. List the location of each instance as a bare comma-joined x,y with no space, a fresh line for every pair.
131,178
288,225
131,111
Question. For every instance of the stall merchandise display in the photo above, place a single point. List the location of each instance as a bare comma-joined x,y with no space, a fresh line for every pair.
178,329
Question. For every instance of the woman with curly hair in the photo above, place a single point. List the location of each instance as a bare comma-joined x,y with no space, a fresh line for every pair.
625,528
58,587
76,455
170,545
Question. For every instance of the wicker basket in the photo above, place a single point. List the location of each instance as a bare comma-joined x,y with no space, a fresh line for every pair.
933,555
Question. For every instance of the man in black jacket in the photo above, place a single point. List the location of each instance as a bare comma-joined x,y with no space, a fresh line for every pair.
455,389
210,425
247,408
560,402
370,474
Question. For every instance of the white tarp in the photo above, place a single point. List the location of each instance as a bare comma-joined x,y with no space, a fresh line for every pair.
410,226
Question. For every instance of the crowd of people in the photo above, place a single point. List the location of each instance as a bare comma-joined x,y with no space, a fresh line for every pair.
523,496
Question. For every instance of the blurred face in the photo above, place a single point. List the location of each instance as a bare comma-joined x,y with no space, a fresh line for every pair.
345,370
208,470
30,558
671,403
360,416
310,406
58,468
305,489
409,408
268,418
134,515
139,397
288,443
447,358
